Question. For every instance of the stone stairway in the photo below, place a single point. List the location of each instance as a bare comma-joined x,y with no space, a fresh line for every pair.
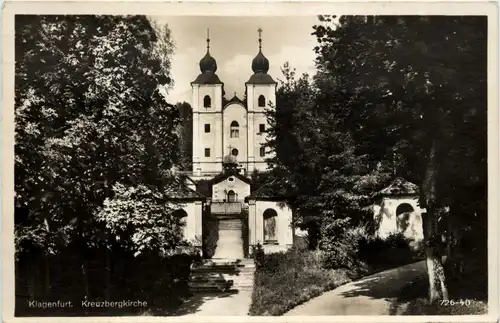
213,276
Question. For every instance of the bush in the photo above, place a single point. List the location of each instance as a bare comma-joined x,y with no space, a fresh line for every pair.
359,251
287,279
340,246
161,281
386,253
210,228
258,255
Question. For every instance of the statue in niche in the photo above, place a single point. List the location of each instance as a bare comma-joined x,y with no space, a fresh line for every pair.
270,225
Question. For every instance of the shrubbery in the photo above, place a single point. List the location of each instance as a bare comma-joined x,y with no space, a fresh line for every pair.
160,281
287,279
357,250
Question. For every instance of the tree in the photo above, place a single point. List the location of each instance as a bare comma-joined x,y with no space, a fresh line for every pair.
396,89
185,135
91,125
315,163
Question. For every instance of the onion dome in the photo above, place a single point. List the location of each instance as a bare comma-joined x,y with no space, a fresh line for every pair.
229,160
260,63
208,63
260,66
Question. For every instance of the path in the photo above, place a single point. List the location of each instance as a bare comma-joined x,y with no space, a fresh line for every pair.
228,304
371,295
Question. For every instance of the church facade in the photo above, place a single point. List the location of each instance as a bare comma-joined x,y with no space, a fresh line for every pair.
228,146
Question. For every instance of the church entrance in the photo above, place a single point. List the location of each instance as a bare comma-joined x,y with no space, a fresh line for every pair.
230,244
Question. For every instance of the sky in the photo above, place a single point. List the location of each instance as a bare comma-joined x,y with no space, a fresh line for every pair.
234,43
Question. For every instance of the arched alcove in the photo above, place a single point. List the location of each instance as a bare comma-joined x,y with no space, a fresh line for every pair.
270,217
232,196
403,213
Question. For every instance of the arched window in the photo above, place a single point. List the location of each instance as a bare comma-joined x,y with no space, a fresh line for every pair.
182,216
262,101
234,152
232,196
403,212
207,102
270,216
235,130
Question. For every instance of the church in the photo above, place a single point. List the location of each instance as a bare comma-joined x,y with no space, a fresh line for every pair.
220,205
228,146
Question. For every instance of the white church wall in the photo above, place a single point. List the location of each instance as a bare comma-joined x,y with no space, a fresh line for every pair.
193,226
214,91
241,188
207,115
256,118
238,113
386,214
284,229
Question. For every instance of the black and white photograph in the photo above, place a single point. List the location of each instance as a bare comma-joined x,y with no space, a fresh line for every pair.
263,165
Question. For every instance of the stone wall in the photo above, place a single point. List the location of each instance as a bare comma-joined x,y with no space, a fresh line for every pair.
193,224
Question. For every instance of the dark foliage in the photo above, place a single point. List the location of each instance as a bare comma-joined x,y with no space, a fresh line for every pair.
161,282
285,280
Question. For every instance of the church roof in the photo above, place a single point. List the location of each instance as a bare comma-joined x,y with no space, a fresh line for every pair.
267,192
261,78
207,77
399,187
204,187
222,176
234,100
180,191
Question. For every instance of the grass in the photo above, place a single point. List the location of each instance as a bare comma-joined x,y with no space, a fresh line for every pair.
290,279
465,299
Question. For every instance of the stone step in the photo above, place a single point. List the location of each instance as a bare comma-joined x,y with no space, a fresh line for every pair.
209,286
226,276
241,289
208,290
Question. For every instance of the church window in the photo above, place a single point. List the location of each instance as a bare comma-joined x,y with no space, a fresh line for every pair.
207,152
207,102
262,128
270,216
234,152
262,151
235,130
232,196
262,101
207,127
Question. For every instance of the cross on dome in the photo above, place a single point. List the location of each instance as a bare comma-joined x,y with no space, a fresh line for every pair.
208,63
208,39
260,63
260,38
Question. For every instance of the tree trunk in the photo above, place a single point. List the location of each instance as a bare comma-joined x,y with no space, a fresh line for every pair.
435,271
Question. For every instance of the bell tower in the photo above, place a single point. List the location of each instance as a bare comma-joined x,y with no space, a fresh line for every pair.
207,92
261,96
